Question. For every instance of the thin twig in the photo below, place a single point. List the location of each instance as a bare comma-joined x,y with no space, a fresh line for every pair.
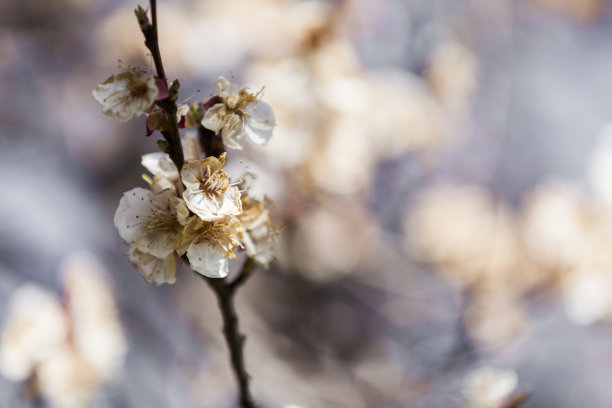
152,43
149,30
235,341
211,143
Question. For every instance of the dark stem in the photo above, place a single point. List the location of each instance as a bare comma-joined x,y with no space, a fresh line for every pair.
149,30
235,341
153,44
211,143
173,137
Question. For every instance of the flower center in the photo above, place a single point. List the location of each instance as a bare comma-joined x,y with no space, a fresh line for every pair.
138,88
214,184
162,220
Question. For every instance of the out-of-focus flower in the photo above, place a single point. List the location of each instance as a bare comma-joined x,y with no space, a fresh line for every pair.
36,326
554,225
584,10
151,222
239,116
126,94
587,297
259,233
489,387
463,231
567,234
209,193
453,74
495,319
89,301
70,348
326,244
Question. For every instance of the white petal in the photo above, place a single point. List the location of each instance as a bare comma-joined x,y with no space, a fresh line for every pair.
192,174
210,208
233,133
153,269
212,119
160,164
133,216
260,122
225,87
206,261
191,147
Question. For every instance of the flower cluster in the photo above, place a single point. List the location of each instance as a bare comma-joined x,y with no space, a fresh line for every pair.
194,212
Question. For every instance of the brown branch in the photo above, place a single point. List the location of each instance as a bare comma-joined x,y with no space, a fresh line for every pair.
149,30
211,143
235,341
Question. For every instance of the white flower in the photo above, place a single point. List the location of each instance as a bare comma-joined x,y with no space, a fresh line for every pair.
239,115
259,233
209,193
489,387
96,330
151,221
154,270
36,327
68,347
126,94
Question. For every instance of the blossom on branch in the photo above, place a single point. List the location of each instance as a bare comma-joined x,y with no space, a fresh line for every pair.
259,232
209,193
210,244
239,116
126,94
152,222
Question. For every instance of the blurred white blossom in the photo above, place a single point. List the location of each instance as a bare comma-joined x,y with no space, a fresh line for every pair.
489,387
68,347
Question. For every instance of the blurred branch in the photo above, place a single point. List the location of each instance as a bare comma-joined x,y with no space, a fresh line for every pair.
247,270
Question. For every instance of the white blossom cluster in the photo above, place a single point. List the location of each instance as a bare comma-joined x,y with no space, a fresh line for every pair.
66,348
195,212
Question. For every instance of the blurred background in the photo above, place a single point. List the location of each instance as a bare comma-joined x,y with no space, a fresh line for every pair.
441,169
